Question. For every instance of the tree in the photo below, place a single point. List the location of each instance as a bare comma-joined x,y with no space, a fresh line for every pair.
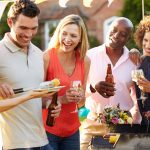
133,10
3,23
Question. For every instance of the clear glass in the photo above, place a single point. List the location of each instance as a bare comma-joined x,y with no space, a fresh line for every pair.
76,85
136,74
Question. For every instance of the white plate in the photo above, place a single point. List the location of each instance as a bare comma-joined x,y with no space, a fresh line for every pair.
51,89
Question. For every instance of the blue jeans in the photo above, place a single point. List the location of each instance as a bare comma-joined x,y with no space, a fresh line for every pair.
46,147
64,143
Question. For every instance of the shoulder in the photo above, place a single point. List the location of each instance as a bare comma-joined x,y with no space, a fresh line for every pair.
93,51
87,63
46,56
87,60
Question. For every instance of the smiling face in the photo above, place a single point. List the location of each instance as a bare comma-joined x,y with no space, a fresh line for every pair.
118,35
69,37
23,30
146,44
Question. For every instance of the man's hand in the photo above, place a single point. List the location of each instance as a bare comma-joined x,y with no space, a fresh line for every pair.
6,91
105,89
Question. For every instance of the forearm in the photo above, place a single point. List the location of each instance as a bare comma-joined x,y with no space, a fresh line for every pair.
12,102
135,109
135,115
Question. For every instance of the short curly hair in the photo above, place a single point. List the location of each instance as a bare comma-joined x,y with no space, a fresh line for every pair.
144,26
25,7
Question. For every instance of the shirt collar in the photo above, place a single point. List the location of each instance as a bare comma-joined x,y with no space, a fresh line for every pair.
10,45
123,57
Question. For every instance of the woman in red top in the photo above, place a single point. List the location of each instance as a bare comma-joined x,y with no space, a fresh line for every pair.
66,60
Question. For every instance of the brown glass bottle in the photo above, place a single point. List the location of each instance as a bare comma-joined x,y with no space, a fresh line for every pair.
51,120
109,77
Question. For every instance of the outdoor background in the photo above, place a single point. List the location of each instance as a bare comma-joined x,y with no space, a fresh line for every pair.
97,18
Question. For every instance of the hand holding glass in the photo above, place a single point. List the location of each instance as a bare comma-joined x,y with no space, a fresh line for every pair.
136,75
78,92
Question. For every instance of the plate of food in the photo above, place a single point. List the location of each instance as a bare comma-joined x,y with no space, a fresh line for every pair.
50,89
51,86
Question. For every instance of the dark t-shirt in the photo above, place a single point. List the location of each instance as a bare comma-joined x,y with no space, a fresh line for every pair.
145,66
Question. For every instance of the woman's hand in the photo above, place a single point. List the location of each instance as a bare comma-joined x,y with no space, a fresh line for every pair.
144,84
73,95
135,56
57,110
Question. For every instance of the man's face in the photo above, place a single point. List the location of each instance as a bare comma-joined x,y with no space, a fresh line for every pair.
118,35
23,30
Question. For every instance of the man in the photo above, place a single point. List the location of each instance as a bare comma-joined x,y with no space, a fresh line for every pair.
21,66
115,53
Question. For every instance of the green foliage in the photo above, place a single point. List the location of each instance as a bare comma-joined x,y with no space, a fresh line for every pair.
133,10
3,22
93,41
37,40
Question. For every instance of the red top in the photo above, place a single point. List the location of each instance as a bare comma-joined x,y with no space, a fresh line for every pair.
67,123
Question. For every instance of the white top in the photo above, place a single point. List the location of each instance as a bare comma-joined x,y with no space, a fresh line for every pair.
22,126
122,78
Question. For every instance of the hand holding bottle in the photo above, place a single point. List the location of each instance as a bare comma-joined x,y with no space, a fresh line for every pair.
105,89
50,118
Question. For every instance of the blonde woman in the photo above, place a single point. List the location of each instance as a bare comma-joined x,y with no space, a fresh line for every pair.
66,60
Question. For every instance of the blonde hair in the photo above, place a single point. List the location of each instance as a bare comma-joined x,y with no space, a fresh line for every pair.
72,19
142,28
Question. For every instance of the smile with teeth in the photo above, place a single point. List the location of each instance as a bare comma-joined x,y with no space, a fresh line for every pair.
67,45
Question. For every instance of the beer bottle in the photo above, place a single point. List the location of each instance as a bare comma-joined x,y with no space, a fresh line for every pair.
51,120
109,77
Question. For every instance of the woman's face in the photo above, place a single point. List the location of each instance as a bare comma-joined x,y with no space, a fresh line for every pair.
146,44
69,37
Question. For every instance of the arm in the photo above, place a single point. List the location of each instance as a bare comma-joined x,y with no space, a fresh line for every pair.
87,63
46,59
135,56
9,103
46,100
135,109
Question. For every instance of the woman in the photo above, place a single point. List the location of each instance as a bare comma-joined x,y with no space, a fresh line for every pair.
142,39
66,60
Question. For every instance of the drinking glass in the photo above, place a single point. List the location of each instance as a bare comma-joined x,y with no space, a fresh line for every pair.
136,74
76,85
